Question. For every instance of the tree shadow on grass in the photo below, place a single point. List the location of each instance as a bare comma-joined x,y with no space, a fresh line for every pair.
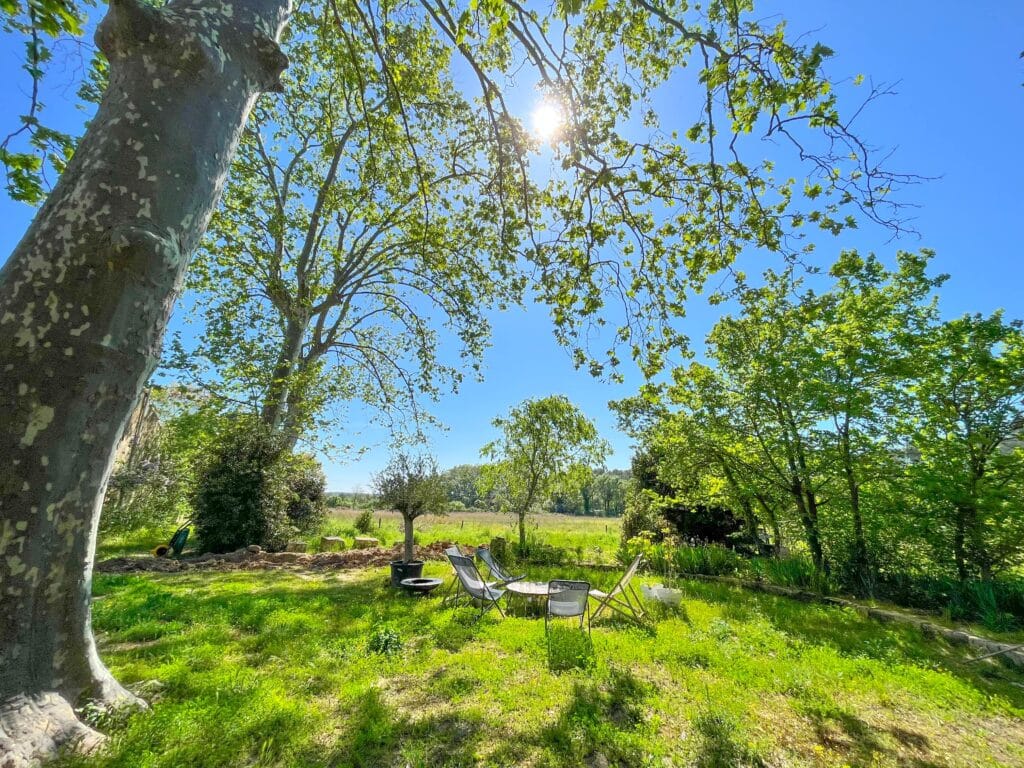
601,724
376,735
853,635
862,744
720,743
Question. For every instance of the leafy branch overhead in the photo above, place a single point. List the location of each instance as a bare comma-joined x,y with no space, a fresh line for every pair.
32,153
352,232
652,191
635,219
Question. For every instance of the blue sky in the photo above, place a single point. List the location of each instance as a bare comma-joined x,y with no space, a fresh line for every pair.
958,116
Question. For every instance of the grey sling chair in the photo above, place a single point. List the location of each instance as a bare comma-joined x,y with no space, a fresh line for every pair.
497,570
622,598
470,583
451,593
567,599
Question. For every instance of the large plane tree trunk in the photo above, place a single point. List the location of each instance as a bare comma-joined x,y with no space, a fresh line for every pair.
84,300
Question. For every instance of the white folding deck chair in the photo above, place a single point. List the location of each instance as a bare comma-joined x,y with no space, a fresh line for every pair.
622,598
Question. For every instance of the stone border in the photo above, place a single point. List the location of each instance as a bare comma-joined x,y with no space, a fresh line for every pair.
1009,651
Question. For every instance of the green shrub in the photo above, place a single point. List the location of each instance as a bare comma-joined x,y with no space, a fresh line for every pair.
538,553
242,493
998,604
149,494
641,516
499,548
307,486
364,521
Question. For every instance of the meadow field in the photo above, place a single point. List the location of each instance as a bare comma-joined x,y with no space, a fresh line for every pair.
589,539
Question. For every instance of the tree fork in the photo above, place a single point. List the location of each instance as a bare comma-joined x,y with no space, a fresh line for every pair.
84,301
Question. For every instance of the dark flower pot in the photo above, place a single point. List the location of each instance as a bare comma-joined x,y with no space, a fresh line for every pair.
403,570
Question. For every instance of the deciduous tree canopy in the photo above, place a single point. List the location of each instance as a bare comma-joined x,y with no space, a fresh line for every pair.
546,445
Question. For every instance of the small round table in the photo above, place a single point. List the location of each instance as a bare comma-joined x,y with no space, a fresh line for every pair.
533,593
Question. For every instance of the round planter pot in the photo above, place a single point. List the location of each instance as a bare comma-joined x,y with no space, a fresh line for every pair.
402,570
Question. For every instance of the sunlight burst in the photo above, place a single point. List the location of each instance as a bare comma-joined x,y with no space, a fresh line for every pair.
548,119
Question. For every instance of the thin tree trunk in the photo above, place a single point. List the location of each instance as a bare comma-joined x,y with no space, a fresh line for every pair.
410,543
522,532
84,301
969,543
820,563
860,546
810,524
773,521
959,549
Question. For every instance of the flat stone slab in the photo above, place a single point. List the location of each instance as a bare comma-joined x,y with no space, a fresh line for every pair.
365,542
331,543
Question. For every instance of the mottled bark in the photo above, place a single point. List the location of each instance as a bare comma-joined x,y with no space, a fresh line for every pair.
410,539
277,403
84,301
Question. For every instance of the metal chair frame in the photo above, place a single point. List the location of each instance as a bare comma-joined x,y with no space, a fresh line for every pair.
622,598
488,596
557,586
496,569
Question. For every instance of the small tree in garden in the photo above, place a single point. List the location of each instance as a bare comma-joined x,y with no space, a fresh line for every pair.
413,486
546,445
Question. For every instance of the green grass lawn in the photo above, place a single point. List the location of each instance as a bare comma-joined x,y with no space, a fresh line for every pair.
295,669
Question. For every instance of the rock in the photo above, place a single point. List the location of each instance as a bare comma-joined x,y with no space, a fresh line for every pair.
254,549
331,543
365,542
295,546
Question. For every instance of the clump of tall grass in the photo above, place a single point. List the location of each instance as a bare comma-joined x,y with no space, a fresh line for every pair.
710,560
792,571
670,559
998,605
